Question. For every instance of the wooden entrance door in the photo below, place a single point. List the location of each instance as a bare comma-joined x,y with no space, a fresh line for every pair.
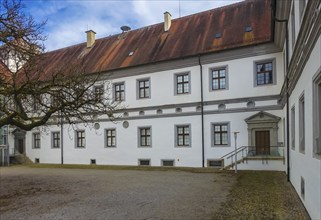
262,140
21,146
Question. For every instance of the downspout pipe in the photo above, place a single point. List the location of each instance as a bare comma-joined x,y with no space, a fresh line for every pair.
287,94
62,138
202,109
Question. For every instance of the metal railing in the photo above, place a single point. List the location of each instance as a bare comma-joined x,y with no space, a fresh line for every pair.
247,152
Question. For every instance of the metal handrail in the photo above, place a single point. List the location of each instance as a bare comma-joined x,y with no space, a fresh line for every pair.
232,152
251,151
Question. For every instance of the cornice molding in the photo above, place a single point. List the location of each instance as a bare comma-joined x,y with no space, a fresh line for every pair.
308,36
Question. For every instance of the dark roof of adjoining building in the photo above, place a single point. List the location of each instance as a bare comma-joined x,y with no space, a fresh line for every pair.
237,25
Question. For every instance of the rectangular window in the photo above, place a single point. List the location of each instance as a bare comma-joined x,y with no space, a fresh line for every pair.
293,25
317,115
80,139
182,83
221,134
293,127
119,92
99,93
183,136
55,139
218,79
219,163
264,73
144,162
111,138
143,88
145,137
36,140
36,103
54,100
168,163
302,124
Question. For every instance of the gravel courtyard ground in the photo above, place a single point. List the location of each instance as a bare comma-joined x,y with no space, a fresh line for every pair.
49,193
96,192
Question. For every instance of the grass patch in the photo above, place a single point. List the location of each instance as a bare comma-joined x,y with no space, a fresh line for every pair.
262,195
142,168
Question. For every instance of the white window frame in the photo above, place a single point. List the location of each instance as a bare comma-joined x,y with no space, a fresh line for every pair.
228,124
210,78
274,78
189,136
114,91
96,87
34,145
53,139
293,127
76,139
138,88
139,137
106,138
317,115
302,124
176,83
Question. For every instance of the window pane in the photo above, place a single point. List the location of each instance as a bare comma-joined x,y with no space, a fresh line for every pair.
186,88
224,127
186,78
179,79
142,141
148,141
186,130
268,66
215,84
147,93
224,138
259,67
222,73
217,139
186,139
179,88
217,128
215,74
180,140
222,83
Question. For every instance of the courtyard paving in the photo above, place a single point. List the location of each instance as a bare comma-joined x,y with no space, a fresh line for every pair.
57,193
103,192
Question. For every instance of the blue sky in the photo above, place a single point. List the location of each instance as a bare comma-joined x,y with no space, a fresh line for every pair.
67,20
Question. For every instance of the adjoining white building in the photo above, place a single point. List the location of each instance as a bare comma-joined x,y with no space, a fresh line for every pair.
188,84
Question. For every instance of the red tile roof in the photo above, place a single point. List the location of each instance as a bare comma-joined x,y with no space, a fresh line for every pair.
188,36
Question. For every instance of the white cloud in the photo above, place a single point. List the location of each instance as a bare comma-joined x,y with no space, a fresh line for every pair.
68,20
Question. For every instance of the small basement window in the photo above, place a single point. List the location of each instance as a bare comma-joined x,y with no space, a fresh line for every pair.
93,161
144,162
37,160
215,163
167,163
248,29
218,35
302,188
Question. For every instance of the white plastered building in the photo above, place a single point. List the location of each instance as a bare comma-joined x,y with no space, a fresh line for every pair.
188,84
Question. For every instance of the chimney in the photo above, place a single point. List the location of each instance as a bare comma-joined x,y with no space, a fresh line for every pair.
90,38
167,21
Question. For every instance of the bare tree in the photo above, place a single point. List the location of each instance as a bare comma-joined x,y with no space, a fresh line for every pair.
27,98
